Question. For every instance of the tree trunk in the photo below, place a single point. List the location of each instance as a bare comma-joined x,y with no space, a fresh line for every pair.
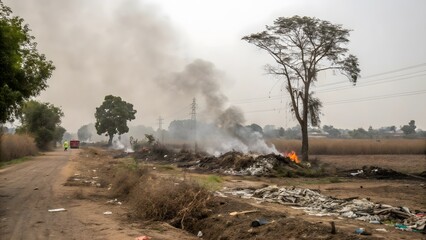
110,139
305,141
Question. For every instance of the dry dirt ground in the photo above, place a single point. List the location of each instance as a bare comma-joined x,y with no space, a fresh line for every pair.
30,189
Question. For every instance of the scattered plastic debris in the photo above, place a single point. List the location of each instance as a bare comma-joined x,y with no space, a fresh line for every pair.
57,210
199,234
314,203
107,213
114,201
143,238
258,222
357,173
243,212
381,230
362,231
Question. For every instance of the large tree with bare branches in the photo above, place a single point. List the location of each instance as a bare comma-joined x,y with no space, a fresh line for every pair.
302,47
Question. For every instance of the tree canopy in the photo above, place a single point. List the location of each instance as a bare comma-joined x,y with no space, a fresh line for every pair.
410,128
112,116
23,70
301,48
42,120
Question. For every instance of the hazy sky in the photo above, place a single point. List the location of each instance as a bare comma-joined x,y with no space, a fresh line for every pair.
127,48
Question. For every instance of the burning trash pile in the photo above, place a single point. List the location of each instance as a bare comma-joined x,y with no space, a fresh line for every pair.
314,203
237,163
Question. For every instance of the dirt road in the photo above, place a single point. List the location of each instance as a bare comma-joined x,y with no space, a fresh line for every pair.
26,193
30,189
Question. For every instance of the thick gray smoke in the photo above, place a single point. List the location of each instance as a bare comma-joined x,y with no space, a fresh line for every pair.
127,48
102,47
202,80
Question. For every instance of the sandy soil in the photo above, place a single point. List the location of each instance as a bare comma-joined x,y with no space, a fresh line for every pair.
30,189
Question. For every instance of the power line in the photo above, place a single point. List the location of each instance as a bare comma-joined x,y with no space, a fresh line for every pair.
371,98
374,82
365,99
276,97
369,83
380,74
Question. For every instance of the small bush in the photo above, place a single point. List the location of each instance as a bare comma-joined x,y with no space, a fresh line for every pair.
181,203
124,180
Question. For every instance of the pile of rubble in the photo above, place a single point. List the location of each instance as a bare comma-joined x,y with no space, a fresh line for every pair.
314,203
237,163
376,173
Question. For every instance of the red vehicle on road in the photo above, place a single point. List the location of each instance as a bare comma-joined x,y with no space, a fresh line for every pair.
74,144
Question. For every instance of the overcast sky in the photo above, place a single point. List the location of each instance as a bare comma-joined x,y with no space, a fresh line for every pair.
126,48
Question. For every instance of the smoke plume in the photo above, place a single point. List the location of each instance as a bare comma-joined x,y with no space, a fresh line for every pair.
202,80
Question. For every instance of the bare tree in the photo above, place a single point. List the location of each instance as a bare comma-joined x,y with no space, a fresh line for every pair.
302,47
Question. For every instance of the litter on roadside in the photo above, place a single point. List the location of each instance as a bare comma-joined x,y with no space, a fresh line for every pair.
314,203
107,213
243,212
362,231
114,201
57,210
258,222
143,238
381,230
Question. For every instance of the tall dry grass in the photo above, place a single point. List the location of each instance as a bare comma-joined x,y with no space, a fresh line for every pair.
180,202
354,146
16,146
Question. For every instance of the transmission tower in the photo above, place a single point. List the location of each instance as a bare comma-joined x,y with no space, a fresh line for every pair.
194,120
160,128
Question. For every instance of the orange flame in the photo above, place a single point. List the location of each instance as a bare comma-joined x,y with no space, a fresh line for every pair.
293,157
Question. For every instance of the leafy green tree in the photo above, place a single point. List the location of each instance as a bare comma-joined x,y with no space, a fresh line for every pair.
59,134
84,133
42,120
301,48
359,133
332,132
23,70
410,128
112,116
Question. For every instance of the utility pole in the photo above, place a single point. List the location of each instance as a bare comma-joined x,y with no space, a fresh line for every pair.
194,120
160,128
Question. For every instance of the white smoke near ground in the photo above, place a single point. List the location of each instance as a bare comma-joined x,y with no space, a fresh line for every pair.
227,133
103,47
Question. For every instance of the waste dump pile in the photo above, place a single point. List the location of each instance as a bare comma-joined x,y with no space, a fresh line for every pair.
314,203
376,173
237,163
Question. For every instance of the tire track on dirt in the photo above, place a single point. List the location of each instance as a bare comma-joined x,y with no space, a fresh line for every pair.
27,194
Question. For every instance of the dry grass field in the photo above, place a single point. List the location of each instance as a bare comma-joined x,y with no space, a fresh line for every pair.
16,146
354,146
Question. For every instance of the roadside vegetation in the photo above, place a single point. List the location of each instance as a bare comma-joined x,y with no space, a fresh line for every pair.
178,201
16,146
